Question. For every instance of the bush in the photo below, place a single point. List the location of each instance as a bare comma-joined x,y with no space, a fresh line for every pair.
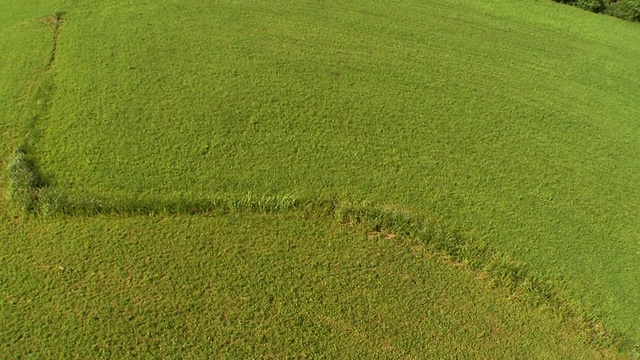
596,6
23,183
625,9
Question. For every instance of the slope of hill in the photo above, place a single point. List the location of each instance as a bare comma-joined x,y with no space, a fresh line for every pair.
252,285
517,127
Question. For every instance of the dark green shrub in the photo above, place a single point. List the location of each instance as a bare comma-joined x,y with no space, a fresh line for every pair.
596,6
625,9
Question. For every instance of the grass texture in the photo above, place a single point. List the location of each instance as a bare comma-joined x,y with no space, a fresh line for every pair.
516,127
24,50
252,285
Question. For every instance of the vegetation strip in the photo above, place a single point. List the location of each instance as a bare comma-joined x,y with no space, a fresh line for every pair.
622,9
25,185
30,196
57,23
533,288
536,289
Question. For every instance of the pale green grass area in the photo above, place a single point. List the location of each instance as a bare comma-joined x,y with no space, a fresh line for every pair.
521,129
245,286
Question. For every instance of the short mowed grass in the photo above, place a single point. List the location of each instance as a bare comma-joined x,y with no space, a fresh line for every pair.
513,122
252,285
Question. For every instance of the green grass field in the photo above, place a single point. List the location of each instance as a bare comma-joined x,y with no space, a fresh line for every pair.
252,285
517,128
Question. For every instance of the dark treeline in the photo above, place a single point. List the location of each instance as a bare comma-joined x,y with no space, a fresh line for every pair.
623,9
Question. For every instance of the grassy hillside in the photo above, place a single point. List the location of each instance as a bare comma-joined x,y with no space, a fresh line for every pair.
516,127
251,285
520,128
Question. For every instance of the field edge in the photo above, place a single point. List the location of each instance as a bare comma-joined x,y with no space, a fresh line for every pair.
533,288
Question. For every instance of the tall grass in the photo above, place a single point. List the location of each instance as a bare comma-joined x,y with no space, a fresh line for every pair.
55,203
23,183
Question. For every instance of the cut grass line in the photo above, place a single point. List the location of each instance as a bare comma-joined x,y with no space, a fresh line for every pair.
52,203
542,290
25,187
545,290
57,20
